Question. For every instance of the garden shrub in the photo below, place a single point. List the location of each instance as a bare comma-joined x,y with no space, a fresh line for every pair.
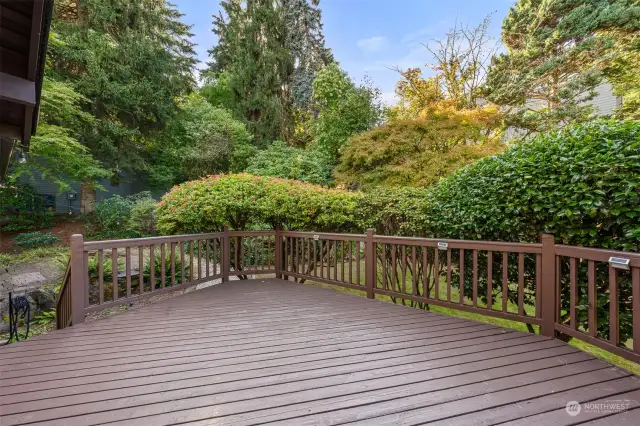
280,160
22,209
35,239
393,211
126,217
244,201
580,184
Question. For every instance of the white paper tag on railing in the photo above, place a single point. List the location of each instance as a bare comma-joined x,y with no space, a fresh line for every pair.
316,237
443,246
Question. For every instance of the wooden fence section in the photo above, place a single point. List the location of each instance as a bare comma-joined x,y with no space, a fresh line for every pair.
336,259
558,288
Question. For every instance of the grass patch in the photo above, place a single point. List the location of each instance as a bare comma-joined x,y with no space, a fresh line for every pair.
38,254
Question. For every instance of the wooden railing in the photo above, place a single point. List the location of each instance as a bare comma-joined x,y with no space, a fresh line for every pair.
63,301
556,288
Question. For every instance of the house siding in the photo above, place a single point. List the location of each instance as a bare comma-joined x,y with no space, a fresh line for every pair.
60,202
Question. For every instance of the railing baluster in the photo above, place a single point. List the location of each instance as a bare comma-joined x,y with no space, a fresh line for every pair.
214,254
635,307
425,274
351,262
199,258
573,293
301,256
592,315
342,262
309,260
449,270
393,267
614,327
521,283
461,301
206,259
538,285
86,278
475,278
335,260
403,257
285,261
490,280
383,248
152,266
127,258
182,263
114,272
100,278
357,262
141,269
436,273
505,280
172,255
315,258
557,284
265,254
414,272
163,267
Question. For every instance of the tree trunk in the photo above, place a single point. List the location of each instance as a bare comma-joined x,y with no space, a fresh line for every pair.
87,198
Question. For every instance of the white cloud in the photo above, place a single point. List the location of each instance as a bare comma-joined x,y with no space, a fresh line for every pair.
373,44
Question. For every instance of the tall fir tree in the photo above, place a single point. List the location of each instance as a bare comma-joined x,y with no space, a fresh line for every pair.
131,62
267,55
554,59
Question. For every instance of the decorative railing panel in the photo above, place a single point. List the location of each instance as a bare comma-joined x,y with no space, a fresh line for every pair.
589,294
252,253
323,257
489,278
597,292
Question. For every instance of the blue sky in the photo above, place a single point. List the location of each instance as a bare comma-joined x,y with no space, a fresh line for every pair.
371,36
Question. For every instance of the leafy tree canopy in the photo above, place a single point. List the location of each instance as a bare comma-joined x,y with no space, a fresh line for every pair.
200,140
345,109
419,152
555,58
280,160
131,61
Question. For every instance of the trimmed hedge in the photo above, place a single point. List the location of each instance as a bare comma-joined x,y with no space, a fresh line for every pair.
243,202
581,184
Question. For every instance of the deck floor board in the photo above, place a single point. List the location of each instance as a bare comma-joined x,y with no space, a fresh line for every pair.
272,351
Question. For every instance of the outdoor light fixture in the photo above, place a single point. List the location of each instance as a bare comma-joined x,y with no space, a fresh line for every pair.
443,246
619,263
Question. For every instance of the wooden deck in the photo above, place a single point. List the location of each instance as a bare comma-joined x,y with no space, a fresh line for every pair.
252,352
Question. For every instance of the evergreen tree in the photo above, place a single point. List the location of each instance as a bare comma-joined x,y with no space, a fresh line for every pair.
267,55
252,51
131,61
554,59
305,40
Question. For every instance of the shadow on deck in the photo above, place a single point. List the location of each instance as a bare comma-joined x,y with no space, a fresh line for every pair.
259,351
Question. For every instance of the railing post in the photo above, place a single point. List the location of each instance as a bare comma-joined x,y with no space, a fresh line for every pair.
278,253
548,286
370,264
78,283
226,254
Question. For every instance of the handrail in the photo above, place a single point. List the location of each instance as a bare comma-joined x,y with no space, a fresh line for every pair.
63,300
539,284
